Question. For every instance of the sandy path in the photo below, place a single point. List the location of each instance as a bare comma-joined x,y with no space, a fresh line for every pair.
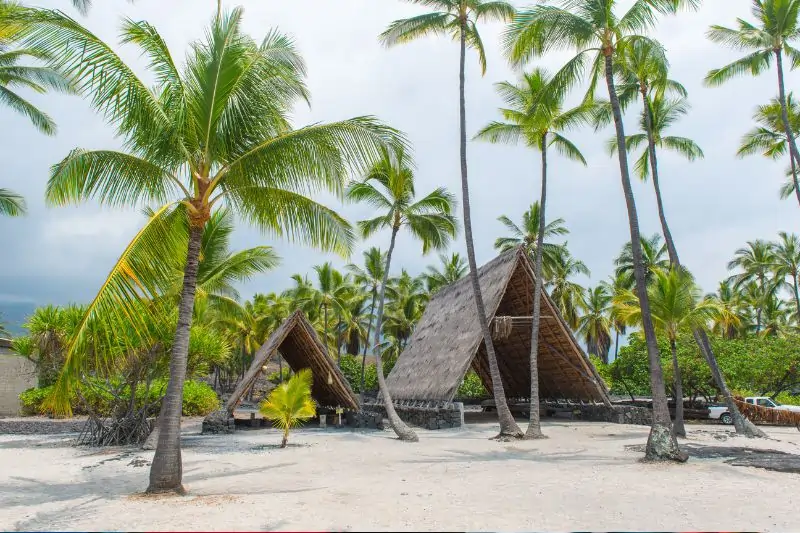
581,478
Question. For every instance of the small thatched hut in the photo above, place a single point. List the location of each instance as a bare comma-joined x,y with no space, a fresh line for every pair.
298,344
447,342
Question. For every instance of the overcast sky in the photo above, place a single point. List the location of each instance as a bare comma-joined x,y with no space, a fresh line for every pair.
58,255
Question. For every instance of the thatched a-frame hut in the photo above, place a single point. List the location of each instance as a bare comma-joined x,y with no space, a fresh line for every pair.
447,342
298,344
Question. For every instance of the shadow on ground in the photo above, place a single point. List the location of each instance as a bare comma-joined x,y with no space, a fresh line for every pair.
740,456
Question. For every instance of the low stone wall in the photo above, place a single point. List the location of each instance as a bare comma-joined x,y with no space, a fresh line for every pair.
617,414
40,426
219,421
445,416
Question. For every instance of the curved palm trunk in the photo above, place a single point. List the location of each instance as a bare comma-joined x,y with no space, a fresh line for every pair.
364,357
534,425
794,154
616,344
403,432
677,426
508,427
661,443
166,471
742,425
796,295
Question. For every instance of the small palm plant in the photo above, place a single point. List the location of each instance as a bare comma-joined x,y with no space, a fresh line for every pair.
290,403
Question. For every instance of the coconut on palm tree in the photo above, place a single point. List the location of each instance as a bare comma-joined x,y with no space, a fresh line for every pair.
459,20
214,132
676,304
389,187
772,36
595,29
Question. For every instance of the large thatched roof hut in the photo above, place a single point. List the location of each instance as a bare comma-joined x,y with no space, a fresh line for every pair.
447,341
298,344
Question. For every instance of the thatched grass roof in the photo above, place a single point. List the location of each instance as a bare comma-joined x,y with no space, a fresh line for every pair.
447,341
300,347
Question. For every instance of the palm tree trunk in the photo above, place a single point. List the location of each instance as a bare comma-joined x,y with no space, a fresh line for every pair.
285,439
534,425
616,344
280,368
661,444
508,427
403,432
325,327
166,472
794,154
678,426
662,217
366,344
796,295
219,9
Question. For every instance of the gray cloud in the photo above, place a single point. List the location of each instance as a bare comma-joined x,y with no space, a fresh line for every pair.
63,254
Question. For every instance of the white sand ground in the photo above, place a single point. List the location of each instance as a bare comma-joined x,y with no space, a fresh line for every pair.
581,479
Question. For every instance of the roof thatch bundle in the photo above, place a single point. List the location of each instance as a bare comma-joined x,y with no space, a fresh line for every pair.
298,344
447,341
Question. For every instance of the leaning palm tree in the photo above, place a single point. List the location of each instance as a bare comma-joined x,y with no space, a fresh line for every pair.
676,303
595,324
453,269
535,115
389,188
214,132
527,235
459,19
769,139
595,28
776,28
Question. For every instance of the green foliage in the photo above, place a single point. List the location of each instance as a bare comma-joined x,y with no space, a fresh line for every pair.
275,377
472,388
290,403
199,399
603,369
350,365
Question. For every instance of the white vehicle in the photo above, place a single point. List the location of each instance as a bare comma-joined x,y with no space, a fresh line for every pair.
720,412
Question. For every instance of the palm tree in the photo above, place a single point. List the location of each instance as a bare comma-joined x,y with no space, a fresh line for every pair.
775,30
330,295
787,264
11,204
593,27
527,234
768,138
213,133
459,19
756,261
730,318
453,269
595,324
290,403
654,258
676,304
569,297
536,117
616,284
370,279
389,187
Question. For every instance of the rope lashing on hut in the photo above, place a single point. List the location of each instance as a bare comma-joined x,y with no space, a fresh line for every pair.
504,325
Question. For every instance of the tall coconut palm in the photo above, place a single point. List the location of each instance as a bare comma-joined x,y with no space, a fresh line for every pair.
389,187
615,285
756,261
370,278
774,33
595,324
330,296
787,265
595,28
527,234
654,258
535,116
569,296
213,133
730,318
676,303
768,138
453,269
459,20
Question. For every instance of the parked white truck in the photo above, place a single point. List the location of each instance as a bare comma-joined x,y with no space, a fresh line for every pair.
721,413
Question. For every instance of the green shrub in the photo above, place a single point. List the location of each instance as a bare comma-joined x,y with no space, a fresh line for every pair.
472,388
350,365
275,377
199,399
